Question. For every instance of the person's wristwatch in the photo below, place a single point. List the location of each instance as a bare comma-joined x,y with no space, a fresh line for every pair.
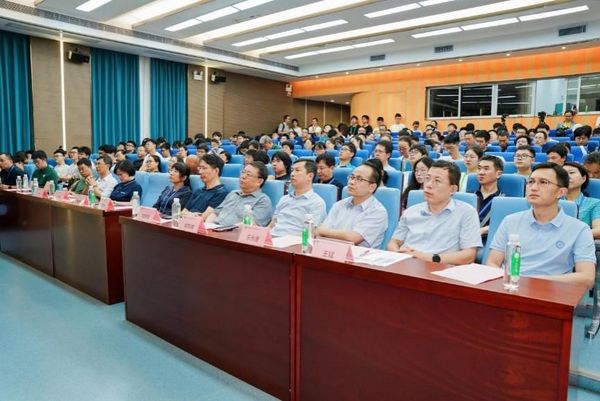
436,258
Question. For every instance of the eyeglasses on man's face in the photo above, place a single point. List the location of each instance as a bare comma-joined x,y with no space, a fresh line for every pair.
522,156
358,179
541,182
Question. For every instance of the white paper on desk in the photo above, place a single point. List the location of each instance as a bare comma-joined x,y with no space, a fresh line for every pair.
286,240
211,226
377,257
473,273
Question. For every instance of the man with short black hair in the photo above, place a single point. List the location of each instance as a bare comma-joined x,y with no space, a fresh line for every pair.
524,158
105,183
8,171
64,171
383,152
482,139
284,126
397,126
130,147
503,140
440,229
213,193
451,145
325,167
289,215
553,245
43,173
582,135
347,152
365,124
231,210
592,164
557,154
489,170
469,139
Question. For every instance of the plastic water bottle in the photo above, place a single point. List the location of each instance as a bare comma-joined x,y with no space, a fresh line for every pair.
307,233
175,212
51,188
92,196
135,203
34,186
247,220
25,182
19,184
512,263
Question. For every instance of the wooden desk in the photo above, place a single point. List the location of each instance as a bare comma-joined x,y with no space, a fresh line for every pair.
78,245
227,303
402,333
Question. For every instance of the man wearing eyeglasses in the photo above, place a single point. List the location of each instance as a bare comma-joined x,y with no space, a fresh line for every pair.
231,211
347,152
440,229
360,218
553,245
524,158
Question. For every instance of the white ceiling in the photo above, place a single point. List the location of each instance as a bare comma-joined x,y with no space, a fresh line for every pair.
399,27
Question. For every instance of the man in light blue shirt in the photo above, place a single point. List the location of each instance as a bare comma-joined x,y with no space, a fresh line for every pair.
231,211
291,210
553,245
440,229
360,218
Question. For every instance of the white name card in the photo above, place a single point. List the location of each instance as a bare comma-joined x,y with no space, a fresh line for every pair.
193,224
149,215
255,235
106,204
339,251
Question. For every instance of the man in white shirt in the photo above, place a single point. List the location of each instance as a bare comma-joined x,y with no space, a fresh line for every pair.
105,183
383,152
284,126
397,126
314,128
64,171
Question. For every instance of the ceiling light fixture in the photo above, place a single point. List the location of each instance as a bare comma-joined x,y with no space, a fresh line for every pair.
563,48
339,49
378,29
433,2
297,31
91,5
308,10
250,42
549,14
490,24
439,32
183,25
394,10
460,59
244,5
220,13
151,11
507,54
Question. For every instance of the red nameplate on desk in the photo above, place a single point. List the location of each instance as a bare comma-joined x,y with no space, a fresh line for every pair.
149,215
193,224
106,204
42,193
340,251
255,235
61,195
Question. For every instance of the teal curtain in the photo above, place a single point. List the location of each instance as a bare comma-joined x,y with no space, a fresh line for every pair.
168,105
115,97
16,127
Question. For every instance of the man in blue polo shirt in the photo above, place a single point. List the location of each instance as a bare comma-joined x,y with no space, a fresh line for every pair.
553,245
440,229
207,198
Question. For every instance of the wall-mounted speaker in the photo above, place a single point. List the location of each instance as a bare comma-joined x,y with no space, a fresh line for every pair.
75,57
215,78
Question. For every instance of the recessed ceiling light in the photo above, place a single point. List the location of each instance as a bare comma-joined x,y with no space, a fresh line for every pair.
418,64
433,2
317,8
507,54
347,73
250,42
549,14
339,49
460,59
298,31
335,49
563,48
373,43
324,25
437,33
347,102
332,101
150,11
380,69
316,76
284,34
377,29
490,24
394,10
244,5
92,5
300,55
222,12
183,25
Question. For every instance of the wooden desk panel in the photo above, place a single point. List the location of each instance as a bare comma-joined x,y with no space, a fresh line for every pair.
87,250
367,333
227,303
26,230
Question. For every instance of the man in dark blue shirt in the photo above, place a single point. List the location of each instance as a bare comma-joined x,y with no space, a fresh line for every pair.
9,172
205,199
325,166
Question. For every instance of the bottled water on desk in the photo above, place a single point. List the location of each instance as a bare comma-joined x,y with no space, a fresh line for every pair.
51,188
175,212
512,263
25,186
19,184
135,203
34,186
247,220
307,233
92,196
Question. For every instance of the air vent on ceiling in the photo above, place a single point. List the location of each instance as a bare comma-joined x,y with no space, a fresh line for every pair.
379,57
573,30
443,49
